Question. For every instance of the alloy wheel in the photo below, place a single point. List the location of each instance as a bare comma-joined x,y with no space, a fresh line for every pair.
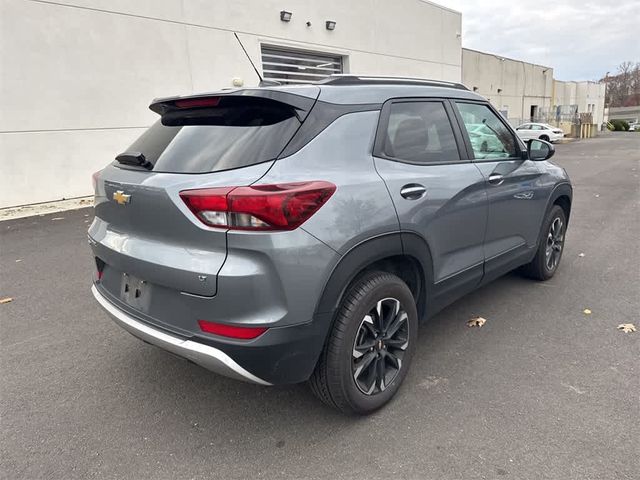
555,242
379,346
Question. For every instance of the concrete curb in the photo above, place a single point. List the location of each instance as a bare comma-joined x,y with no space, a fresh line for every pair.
23,211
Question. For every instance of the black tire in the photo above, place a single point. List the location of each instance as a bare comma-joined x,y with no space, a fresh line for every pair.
540,267
544,137
333,380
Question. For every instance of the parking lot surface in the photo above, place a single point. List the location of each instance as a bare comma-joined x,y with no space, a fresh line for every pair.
542,390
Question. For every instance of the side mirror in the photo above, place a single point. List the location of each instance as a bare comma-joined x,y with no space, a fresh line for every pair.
539,150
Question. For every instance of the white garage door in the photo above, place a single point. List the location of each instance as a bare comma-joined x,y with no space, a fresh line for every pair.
296,66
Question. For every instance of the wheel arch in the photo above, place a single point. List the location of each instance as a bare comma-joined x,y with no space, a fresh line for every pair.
562,195
406,255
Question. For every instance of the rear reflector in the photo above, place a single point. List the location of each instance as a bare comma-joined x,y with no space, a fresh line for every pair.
259,207
99,268
243,333
197,102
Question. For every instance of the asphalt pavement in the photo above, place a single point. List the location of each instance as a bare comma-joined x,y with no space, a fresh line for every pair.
541,391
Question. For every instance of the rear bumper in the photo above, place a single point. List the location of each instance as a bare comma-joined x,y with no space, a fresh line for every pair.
204,355
282,355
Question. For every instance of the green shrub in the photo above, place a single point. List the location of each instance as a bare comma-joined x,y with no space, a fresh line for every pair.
620,125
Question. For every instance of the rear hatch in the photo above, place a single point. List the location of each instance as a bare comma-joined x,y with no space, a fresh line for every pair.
146,240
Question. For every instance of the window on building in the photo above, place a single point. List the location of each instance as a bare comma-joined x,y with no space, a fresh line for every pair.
420,132
298,66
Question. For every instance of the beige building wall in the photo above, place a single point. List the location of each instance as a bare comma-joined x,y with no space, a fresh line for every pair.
76,77
588,96
512,86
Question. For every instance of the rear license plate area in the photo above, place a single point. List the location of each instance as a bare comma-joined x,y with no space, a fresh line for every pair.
135,292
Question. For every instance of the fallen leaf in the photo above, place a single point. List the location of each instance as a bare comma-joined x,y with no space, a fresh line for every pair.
627,327
18,260
597,195
476,322
581,254
5,300
586,311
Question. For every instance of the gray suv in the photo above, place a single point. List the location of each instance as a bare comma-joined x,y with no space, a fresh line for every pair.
291,233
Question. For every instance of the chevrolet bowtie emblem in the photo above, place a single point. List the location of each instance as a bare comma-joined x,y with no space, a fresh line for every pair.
121,198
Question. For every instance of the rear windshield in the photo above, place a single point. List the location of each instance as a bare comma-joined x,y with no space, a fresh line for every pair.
235,133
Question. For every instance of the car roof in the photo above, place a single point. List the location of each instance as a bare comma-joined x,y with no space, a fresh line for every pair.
353,90
359,89
351,94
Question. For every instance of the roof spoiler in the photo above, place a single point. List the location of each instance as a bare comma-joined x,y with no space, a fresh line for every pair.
164,106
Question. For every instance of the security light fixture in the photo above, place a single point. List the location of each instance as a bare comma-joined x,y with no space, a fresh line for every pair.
330,24
499,90
475,89
285,16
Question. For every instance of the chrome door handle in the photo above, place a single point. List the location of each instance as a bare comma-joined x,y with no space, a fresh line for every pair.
413,191
496,179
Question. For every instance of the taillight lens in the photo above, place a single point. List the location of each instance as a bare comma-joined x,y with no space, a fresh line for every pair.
231,331
259,207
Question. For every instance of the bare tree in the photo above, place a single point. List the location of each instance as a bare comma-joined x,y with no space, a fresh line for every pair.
623,89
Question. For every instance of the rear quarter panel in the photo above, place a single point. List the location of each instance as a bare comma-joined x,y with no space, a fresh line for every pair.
361,207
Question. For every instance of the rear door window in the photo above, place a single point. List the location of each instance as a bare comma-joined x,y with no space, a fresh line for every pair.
419,132
235,133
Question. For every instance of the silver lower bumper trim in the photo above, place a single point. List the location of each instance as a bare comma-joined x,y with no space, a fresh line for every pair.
204,355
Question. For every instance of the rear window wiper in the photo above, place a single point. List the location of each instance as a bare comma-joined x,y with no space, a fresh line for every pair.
136,159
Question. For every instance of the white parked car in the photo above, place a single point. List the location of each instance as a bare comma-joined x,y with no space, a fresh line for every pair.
634,126
543,131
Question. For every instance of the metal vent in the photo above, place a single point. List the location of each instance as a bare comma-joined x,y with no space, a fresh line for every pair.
295,66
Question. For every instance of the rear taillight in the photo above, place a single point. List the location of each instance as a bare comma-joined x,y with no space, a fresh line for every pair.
231,331
259,207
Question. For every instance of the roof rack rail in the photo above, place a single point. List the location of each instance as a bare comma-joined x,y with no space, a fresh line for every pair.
350,79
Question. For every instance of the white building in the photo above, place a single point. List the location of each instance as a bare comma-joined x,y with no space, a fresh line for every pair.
629,114
521,91
77,76
587,97
526,92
